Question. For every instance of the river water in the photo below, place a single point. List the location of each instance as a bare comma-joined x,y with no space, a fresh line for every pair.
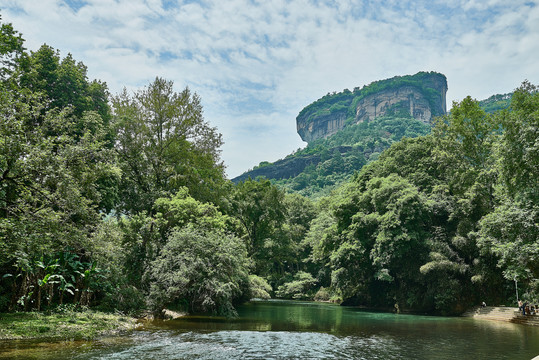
300,330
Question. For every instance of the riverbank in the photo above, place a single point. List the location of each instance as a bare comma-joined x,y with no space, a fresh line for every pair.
70,325
502,313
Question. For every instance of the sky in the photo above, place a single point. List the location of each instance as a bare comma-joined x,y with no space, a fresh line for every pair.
256,64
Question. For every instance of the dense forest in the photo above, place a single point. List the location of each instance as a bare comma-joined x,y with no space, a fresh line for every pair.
120,202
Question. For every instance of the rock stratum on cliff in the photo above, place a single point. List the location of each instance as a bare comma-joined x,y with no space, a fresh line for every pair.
421,96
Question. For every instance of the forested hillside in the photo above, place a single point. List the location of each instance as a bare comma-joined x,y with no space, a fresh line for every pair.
120,203
324,164
396,109
496,102
364,142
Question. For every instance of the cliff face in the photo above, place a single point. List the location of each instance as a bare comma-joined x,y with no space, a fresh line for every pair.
324,126
405,100
421,96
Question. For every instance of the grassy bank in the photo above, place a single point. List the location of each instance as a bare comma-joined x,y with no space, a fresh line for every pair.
70,325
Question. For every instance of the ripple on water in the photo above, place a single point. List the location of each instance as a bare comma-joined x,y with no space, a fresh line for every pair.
250,345
231,345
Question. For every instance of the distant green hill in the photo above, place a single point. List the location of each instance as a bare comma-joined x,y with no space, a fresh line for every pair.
496,102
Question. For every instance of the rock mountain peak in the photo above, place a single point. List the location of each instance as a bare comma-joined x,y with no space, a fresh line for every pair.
421,96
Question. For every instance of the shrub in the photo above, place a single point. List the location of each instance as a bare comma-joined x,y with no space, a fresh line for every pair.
300,288
259,287
322,294
207,268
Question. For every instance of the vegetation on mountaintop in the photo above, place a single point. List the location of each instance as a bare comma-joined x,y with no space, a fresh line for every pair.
496,102
346,101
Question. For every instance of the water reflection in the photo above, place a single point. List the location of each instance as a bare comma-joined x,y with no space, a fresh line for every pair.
278,329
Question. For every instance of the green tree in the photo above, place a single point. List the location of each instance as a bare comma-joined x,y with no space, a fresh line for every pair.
49,189
144,236
259,207
300,288
519,151
510,232
182,209
64,82
57,175
383,238
206,269
287,251
12,51
318,243
164,143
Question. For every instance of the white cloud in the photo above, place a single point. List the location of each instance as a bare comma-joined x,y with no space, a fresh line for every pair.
276,57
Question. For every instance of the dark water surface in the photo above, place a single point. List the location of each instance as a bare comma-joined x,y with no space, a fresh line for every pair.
300,330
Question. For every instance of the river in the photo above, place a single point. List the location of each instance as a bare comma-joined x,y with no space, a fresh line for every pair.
299,330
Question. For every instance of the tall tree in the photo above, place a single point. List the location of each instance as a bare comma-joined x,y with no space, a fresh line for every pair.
50,195
12,51
64,82
520,149
259,207
56,175
164,143
511,231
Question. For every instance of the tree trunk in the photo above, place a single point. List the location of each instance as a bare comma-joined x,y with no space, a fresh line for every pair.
38,297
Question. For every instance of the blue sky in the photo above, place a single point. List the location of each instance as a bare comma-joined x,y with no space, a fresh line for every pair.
256,64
